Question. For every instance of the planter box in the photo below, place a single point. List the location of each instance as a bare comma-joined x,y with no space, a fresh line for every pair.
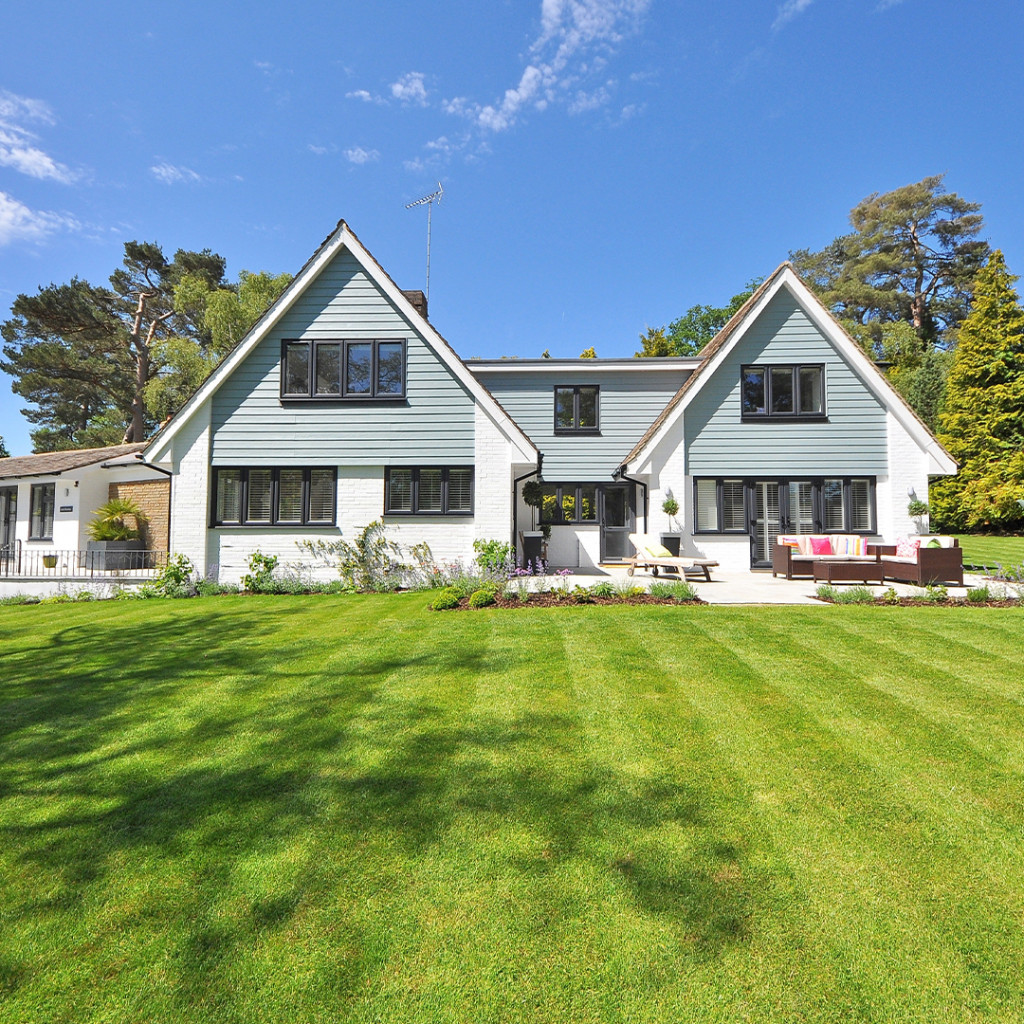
672,541
115,555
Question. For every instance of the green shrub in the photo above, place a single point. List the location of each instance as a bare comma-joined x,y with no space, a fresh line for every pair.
448,597
603,589
582,595
483,597
936,594
19,599
176,578
111,522
855,595
370,564
677,590
260,577
979,595
891,596
493,555
826,592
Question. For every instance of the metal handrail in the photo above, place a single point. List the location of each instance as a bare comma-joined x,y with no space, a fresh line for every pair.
69,563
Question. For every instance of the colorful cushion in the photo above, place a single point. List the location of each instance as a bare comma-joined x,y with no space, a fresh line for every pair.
906,547
821,546
789,542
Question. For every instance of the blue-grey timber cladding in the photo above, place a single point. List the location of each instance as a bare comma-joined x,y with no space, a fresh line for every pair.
853,440
629,402
435,426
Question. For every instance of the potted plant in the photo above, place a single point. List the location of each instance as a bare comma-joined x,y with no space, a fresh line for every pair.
116,536
534,539
672,538
918,509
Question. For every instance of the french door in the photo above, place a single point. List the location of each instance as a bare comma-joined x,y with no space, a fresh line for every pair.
8,520
778,507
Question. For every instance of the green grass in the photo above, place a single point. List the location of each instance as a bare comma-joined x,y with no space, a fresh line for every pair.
334,809
984,550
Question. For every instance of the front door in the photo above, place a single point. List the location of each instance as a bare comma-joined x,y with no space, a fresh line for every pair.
618,521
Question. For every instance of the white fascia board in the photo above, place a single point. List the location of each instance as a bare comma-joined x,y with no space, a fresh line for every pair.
485,366
511,430
939,461
642,463
159,448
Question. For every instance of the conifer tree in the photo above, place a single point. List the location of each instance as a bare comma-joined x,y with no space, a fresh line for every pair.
983,423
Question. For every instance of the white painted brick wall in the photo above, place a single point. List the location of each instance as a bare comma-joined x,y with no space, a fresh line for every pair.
190,463
493,486
908,468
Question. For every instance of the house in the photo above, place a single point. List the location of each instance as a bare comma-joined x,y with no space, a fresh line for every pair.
344,405
47,501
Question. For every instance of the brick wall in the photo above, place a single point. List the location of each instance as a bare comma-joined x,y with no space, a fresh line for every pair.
154,498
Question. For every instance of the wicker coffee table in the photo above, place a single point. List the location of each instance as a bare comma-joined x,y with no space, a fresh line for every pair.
850,570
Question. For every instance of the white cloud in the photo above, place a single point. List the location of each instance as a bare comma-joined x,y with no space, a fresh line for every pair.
789,10
322,150
17,143
18,223
410,89
575,34
169,174
359,94
358,155
884,5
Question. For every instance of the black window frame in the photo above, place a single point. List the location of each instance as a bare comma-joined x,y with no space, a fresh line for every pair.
310,395
817,502
414,510
45,516
576,389
782,417
576,490
274,523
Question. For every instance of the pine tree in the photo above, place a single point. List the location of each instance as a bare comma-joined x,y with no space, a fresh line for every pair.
983,422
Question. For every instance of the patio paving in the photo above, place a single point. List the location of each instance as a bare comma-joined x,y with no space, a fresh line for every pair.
746,587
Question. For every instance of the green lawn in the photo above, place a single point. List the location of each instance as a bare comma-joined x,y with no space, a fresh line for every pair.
984,550
332,809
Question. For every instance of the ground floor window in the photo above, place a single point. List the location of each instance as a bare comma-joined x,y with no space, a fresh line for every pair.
41,512
568,503
274,496
428,490
815,505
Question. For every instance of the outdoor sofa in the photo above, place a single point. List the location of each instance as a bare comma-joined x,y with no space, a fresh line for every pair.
924,560
795,554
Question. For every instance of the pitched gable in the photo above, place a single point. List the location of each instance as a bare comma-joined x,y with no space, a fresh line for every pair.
784,280
341,292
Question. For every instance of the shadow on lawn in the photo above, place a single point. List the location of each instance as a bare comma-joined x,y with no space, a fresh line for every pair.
118,766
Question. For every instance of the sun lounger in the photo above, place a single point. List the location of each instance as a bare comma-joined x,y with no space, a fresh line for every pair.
653,556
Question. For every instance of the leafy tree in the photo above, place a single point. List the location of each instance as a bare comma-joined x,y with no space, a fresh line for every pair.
4,453
983,421
919,375
226,315
912,256
85,356
688,334
589,353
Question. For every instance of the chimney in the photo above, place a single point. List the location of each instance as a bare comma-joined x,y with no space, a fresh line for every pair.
419,301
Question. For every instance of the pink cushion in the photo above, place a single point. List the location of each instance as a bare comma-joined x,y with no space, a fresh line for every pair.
906,547
821,546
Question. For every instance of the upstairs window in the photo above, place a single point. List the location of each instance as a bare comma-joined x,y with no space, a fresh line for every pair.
342,370
576,409
782,392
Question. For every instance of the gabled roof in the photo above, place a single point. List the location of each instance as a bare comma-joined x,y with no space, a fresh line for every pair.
344,238
54,463
715,352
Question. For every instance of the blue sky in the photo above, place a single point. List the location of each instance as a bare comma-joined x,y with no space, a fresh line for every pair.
606,163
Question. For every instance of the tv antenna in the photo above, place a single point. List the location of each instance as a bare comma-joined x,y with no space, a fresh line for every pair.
428,201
